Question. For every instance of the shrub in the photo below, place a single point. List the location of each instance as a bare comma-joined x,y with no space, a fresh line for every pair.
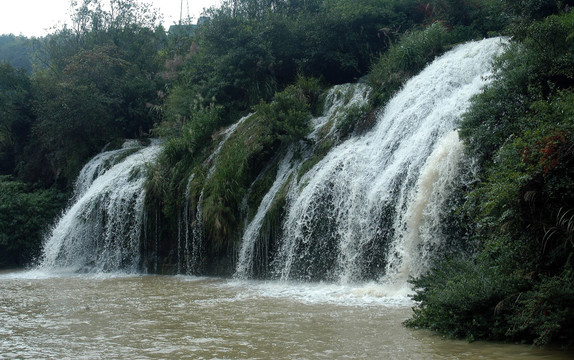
403,60
350,119
25,213
288,114
461,298
545,313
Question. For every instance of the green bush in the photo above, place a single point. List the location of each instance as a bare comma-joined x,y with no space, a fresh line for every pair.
535,9
242,158
545,312
409,56
463,298
187,138
351,117
518,287
25,214
288,114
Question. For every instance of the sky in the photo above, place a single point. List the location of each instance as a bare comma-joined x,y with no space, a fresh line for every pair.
38,17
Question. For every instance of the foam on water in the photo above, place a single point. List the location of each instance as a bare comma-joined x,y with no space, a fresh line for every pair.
358,294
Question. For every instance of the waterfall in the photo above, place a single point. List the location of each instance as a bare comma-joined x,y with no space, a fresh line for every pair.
193,222
101,229
251,233
372,208
349,219
338,99
423,231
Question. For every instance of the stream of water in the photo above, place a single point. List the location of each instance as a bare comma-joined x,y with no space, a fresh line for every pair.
109,316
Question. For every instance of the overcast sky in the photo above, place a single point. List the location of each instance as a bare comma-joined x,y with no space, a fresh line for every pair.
38,17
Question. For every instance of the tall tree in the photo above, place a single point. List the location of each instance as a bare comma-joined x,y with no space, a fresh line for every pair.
98,82
15,115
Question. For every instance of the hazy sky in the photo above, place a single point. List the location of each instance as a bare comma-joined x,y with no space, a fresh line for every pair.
37,17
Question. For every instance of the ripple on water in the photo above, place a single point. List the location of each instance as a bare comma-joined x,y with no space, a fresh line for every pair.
151,317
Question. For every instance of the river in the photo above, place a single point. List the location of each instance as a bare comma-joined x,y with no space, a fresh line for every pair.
70,316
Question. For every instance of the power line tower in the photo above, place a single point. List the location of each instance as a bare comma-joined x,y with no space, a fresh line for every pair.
188,17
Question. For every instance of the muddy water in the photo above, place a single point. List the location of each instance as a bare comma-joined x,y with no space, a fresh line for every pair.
51,316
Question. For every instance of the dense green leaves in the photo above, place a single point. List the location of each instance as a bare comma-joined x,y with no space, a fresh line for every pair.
403,60
16,51
97,84
15,115
464,299
536,9
521,131
288,114
250,49
25,213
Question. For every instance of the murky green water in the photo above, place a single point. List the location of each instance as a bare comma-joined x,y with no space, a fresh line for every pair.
161,317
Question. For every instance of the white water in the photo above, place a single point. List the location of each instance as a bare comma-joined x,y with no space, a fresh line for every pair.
101,230
100,164
251,233
348,218
339,98
422,233
193,230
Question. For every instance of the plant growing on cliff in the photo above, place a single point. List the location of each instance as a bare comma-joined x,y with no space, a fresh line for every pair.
288,114
521,131
404,59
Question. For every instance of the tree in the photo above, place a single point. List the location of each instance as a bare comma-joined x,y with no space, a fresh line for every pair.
15,115
98,83
25,212
16,50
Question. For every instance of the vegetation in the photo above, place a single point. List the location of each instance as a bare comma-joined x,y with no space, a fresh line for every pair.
25,213
114,74
519,285
403,60
16,51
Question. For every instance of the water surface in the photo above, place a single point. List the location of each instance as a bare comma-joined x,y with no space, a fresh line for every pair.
177,317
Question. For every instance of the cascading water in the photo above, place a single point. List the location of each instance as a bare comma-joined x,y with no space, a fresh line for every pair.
424,230
190,237
340,98
251,233
347,219
101,230
100,164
